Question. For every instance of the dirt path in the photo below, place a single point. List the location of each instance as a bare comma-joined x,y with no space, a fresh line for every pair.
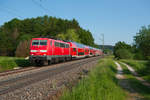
136,75
119,74
124,83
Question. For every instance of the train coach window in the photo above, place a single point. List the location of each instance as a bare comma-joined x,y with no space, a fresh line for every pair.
67,45
62,45
74,49
35,42
43,42
57,44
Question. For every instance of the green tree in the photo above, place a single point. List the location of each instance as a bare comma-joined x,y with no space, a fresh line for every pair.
142,41
108,51
123,54
122,48
70,35
23,49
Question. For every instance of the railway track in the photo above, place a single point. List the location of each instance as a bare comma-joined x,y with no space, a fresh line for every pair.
12,84
9,72
14,71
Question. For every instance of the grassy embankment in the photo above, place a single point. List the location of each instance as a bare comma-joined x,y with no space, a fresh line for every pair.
141,67
135,84
100,84
8,63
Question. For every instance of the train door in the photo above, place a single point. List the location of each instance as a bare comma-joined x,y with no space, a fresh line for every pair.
56,48
51,47
67,49
62,48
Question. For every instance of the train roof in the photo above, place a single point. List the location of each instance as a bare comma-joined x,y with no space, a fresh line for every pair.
79,45
74,44
39,38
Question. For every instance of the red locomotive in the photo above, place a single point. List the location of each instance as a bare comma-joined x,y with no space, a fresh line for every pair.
52,51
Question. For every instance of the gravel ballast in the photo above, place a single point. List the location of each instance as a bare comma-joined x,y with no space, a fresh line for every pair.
49,88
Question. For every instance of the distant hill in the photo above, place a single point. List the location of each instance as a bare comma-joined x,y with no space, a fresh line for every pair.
110,47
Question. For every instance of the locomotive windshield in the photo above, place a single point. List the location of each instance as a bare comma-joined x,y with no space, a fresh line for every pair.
35,42
39,42
43,42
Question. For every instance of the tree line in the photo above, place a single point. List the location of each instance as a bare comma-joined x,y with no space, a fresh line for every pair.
139,50
16,34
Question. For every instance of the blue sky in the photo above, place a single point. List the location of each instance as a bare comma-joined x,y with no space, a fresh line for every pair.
118,20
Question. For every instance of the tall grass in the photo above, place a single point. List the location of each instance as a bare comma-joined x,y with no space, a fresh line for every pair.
8,63
141,67
100,84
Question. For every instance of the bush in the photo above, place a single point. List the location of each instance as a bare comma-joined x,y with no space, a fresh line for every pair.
124,54
22,62
148,57
8,63
139,56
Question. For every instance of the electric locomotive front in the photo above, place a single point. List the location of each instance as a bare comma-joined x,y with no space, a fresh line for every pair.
45,50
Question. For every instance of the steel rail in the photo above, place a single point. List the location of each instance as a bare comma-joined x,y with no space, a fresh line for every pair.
22,81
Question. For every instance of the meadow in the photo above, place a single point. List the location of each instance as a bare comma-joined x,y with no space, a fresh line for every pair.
8,63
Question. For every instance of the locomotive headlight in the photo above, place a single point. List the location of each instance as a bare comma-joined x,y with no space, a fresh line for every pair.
43,50
32,54
33,51
44,54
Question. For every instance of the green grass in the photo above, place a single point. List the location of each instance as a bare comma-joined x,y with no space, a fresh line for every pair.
100,84
8,63
141,67
136,84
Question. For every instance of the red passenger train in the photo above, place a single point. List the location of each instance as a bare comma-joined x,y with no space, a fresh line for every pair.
46,50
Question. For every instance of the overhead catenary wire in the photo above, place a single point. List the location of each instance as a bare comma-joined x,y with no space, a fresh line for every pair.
41,6
11,12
